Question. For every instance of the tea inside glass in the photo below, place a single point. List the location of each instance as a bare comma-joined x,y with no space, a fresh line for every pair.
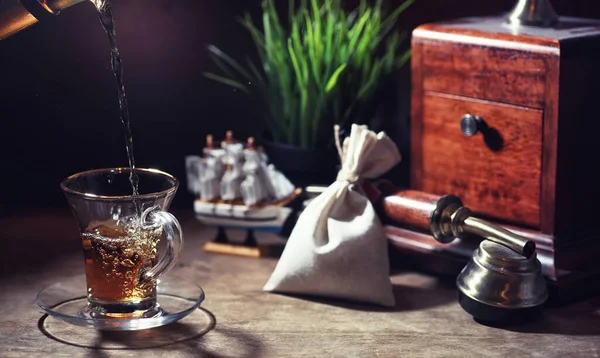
120,236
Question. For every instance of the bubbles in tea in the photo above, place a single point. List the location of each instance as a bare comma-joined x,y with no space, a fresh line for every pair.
115,257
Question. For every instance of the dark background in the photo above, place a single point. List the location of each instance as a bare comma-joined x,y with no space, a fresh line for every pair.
58,104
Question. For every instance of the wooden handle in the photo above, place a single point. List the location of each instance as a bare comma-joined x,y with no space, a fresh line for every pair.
444,217
407,207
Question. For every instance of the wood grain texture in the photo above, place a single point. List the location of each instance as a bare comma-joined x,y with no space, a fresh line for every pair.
411,209
550,148
545,184
502,184
484,38
553,71
239,320
416,125
502,75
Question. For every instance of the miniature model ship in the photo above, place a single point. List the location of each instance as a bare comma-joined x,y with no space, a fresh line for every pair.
236,187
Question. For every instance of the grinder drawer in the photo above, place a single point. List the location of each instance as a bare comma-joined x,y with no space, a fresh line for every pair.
502,75
497,170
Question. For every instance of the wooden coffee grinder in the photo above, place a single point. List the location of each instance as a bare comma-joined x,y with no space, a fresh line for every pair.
505,117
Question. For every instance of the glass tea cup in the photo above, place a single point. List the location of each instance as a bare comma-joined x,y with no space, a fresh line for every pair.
120,234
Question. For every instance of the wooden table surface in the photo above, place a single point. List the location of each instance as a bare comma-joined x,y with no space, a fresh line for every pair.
239,320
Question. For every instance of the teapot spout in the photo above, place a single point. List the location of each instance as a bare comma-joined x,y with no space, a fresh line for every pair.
16,16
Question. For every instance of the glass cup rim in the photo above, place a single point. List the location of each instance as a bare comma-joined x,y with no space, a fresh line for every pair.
172,189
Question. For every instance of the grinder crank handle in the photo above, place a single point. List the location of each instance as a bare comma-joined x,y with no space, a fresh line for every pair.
446,218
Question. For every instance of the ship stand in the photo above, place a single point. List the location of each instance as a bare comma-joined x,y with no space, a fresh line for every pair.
249,248
276,216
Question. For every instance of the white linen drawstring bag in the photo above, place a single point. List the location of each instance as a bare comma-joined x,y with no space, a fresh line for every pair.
338,248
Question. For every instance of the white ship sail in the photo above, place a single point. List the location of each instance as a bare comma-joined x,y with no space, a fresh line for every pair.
280,185
234,175
235,182
255,187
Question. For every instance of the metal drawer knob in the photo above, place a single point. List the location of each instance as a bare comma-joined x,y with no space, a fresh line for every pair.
470,124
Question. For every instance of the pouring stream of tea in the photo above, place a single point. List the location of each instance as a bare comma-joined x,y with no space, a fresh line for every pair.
105,12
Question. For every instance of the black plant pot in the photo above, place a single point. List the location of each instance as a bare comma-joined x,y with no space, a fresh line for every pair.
303,166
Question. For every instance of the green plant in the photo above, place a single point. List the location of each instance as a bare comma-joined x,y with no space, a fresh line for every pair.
324,68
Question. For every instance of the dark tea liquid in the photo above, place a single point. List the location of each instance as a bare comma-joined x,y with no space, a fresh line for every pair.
115,258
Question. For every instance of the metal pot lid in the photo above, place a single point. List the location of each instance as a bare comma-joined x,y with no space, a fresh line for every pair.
500,258
500,277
